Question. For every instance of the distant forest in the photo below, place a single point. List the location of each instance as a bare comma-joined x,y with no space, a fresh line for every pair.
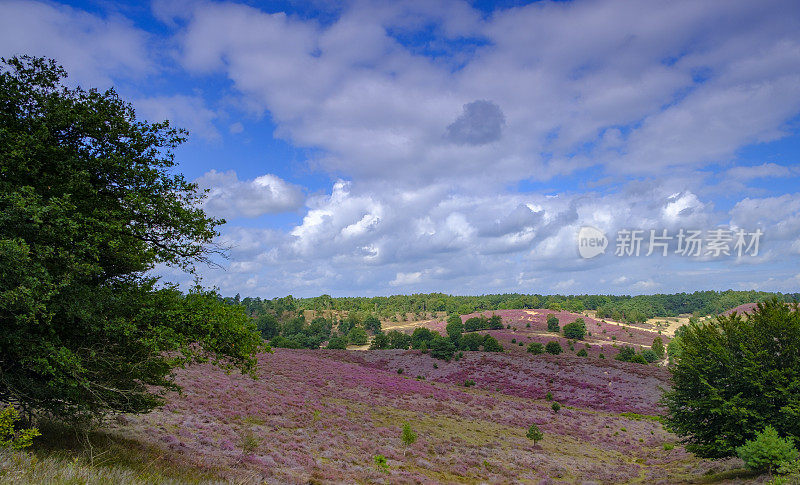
630,309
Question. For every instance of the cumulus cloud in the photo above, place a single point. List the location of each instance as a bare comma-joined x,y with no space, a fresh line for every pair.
404,240
230,197
429,141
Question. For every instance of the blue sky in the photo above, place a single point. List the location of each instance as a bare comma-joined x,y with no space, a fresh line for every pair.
377,147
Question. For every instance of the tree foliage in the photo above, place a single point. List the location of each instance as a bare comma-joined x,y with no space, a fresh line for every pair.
553,347
534,434
10,436
535,348
552,324
658,348
575,330
768,451
442,348
357,336
408,436
490,344
454,329
339,343
89,203
372,324
737,375
381,341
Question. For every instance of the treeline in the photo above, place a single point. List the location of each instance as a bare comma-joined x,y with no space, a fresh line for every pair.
622,308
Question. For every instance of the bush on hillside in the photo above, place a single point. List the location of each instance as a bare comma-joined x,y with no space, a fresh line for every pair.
553,347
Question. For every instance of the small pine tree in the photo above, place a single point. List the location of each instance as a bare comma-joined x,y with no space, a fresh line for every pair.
658,347
380,461
767,451
552,324
408,435
556,406
534,434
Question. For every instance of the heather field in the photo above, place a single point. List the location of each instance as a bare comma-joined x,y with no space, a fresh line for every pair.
528,326
321,416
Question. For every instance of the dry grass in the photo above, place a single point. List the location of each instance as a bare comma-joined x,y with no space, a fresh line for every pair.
65,456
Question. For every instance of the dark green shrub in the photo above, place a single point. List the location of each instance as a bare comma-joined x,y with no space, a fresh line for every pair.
535,348
626,354
372,324
337,343
495,322
281,342
658,347
552,324
442,348
471,341
357,336
553,347
381,341
398,340
575,330
490,344
649,355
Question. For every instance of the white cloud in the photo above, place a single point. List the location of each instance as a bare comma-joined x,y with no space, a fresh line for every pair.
187,112
406,279
689,86
230,197
92,49
653,98
765,170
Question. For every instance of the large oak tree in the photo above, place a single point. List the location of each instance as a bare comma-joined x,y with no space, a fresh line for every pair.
735,376
89,204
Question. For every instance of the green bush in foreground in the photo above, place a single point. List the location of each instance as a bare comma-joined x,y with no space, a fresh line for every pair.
767,451
442,348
